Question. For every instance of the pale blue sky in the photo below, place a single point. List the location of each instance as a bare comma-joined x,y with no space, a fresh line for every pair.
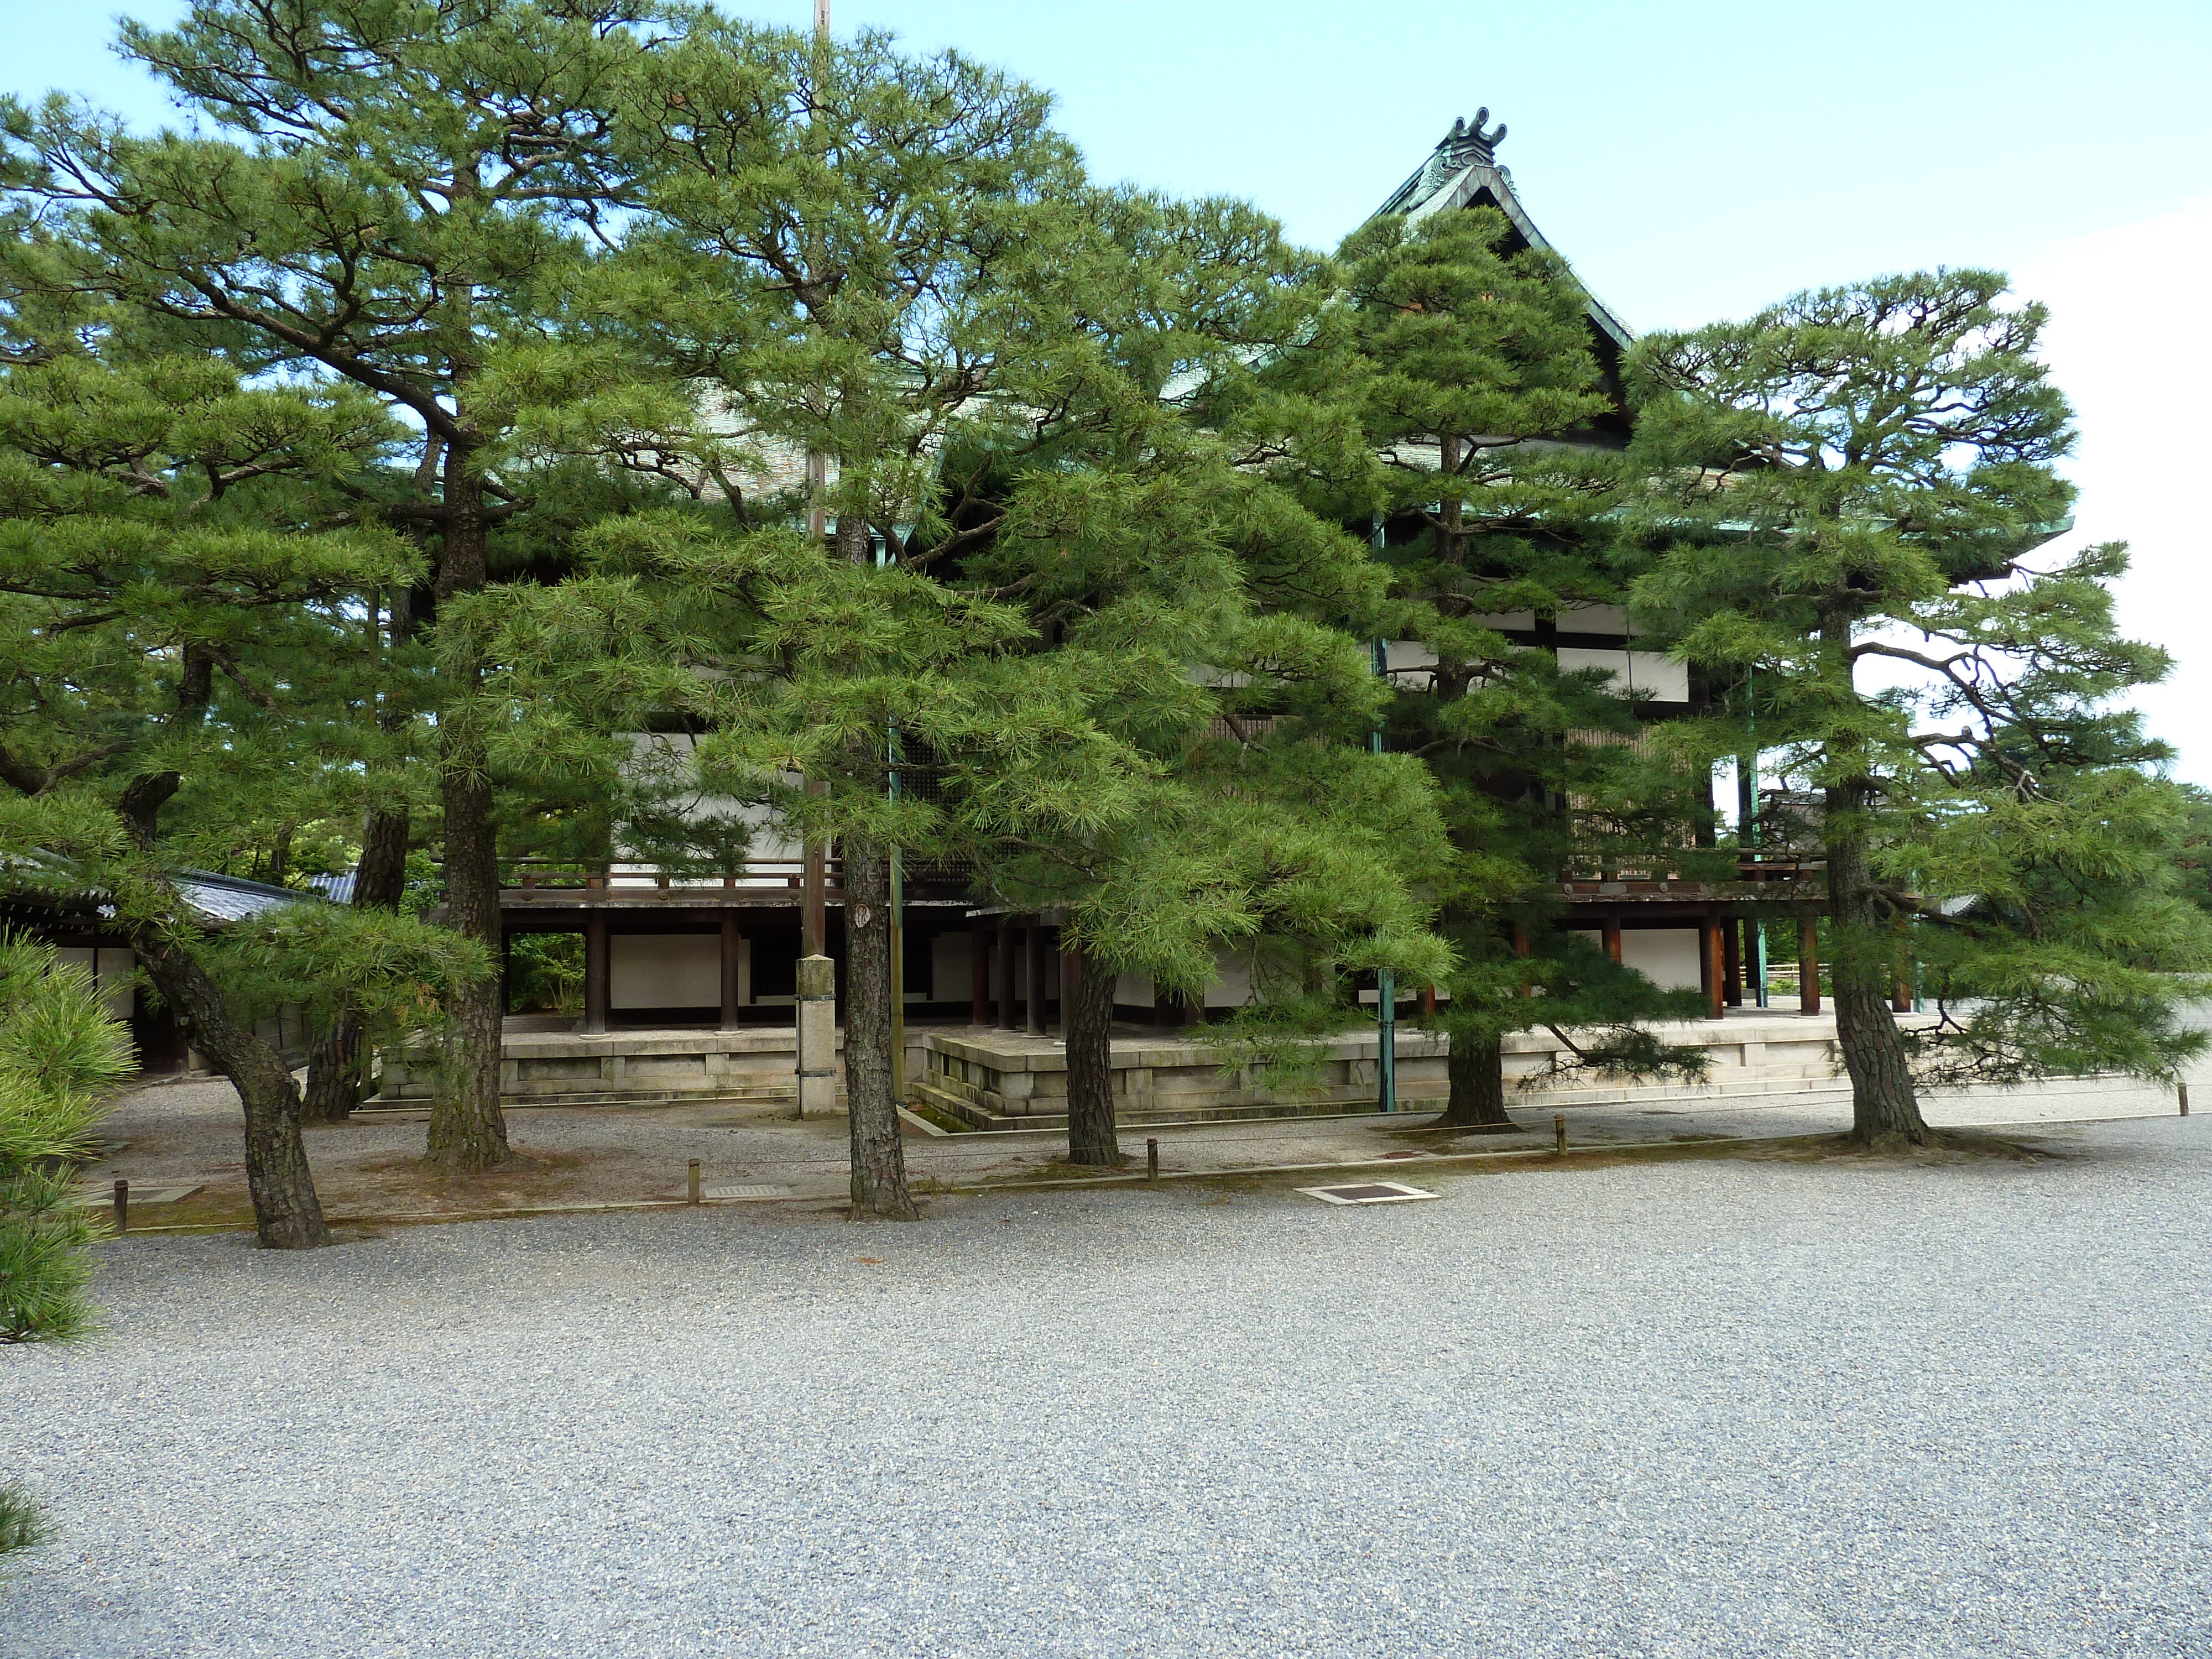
1693,160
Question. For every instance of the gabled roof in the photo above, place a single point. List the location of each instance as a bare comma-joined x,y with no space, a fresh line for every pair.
1462,172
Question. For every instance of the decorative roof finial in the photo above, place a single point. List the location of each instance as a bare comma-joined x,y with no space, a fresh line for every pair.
1467,142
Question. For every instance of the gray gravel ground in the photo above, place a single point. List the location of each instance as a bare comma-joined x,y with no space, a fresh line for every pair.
1695,1408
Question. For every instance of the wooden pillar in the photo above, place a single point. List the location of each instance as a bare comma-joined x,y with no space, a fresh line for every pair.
1033,973
1521,949
597,976
1715,969
814,904
1008,1019
732,952
979,973
1731,965
1809,965
1428,1001
1612,938
1071,975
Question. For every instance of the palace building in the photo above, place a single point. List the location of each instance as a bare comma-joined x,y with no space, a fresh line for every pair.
691,985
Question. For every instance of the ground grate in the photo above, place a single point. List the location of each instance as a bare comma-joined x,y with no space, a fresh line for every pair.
1368,1192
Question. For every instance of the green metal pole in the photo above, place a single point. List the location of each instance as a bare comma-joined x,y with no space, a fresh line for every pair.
1386,982
1751,760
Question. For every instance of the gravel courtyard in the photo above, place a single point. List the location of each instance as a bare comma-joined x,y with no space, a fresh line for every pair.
1701,1407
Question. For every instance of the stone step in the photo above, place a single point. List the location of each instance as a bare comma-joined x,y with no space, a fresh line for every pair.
764,1095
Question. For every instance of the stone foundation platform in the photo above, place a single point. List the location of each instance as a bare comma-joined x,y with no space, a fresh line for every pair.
560,1066
994,1080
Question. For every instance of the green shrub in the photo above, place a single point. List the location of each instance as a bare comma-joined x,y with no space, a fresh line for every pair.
61,1057
22,1526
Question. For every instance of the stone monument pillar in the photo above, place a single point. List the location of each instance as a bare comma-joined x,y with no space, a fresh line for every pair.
817,1037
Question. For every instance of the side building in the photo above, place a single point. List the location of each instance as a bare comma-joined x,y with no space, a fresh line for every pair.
689,984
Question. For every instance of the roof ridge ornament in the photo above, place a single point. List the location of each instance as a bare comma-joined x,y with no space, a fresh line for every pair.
1467,142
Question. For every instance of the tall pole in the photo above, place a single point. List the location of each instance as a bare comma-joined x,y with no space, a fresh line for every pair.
814,898
1386,982
1749,770
898,874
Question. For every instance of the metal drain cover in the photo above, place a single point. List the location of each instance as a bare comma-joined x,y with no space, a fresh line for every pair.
1368,1192
725,1194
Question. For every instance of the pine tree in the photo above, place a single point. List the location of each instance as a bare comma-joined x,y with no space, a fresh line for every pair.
1850,491
1466,363
1191,607
173,618
392,197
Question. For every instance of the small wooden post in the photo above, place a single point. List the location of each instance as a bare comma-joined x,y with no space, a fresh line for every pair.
1152,1160
692,1182
122,1205
1009,1017
1033,976
1716,975
1071,976
2185,1100
599,976
1559,1132
979,974
732,955
1809,965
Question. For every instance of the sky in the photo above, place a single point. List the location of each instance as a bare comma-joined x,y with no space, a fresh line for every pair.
1693,160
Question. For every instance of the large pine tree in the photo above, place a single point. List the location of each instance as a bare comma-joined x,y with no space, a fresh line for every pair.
1466,362
1850,496
181,651
395,196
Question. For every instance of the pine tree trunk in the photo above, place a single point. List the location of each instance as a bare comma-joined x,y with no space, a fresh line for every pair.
468,1135
333,1072
287,1214
1091,1137
1885,1106
879,1152
334,1067
1476,1067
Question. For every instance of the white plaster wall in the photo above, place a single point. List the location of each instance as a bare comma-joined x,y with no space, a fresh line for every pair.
951,969
1594,619
1651,676
111,969
1668,957
1233,984
672,970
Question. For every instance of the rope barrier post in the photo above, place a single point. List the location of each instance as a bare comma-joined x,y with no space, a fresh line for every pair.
1152,1160
2184,1103
692,1182
123,1203
1559,1132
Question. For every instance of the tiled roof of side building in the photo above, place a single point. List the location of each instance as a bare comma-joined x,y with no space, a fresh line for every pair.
229,899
